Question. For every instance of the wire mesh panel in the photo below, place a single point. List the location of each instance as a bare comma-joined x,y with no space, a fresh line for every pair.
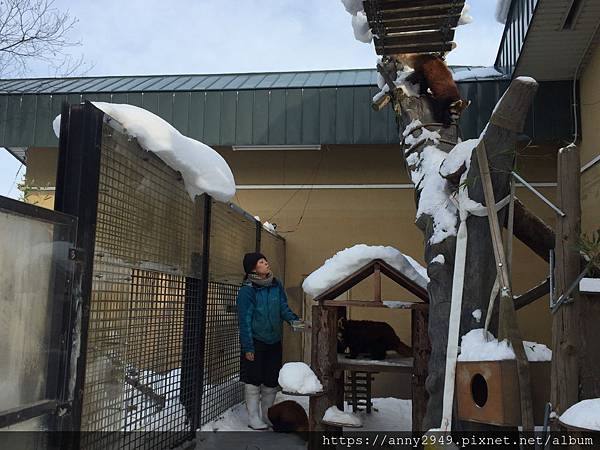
232,234
222,388
142,365
273,247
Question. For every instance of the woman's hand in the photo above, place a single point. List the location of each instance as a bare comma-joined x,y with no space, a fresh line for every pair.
249,356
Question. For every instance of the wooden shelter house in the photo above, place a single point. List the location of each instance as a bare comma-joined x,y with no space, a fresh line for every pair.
331,367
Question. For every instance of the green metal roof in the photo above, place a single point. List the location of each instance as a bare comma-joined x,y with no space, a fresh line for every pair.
190,83
287,108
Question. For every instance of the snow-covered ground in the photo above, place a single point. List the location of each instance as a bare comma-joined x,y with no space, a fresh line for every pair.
389,414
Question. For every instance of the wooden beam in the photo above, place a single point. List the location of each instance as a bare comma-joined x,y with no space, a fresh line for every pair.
533,294
323,363
372,304
567,320
408,4
421,351
377,283
419,48
425,37
532,231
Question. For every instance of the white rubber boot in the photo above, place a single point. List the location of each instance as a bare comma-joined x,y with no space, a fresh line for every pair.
252,395
267,398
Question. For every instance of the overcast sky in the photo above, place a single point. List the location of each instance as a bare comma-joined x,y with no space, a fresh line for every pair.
219,36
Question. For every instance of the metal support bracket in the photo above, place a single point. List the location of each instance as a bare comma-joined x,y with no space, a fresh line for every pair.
538,194
566,297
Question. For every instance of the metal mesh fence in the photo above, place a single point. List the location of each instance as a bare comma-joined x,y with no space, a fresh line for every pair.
273,247
147,233
162,342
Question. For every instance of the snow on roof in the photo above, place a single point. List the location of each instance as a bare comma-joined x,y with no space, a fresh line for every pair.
480,345
349,260
202,168
585,414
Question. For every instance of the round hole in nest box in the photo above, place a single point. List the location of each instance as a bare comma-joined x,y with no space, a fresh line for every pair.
479,390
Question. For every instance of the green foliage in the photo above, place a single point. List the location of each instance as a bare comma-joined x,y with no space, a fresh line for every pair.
590,247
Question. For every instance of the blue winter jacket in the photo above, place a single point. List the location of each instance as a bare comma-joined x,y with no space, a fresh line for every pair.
261,312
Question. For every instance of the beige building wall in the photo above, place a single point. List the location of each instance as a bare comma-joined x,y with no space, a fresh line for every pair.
590,142
317,223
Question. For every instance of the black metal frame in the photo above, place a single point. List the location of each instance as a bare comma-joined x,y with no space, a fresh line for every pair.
59,323
514,36
77,194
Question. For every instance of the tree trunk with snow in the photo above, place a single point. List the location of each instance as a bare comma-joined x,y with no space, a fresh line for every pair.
500,138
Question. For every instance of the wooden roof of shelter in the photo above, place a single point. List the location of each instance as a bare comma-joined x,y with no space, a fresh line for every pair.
413,26
375,267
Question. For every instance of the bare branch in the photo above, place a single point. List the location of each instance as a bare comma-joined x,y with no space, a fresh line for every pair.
35,31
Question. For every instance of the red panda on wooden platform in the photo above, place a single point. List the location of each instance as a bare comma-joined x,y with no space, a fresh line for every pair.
431,72
289,417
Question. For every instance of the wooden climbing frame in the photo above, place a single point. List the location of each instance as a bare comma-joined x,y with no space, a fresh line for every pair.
330,368
413,26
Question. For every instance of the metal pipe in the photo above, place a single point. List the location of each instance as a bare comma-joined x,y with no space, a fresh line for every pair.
539,194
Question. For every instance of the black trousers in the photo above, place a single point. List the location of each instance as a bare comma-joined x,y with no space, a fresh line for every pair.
265,367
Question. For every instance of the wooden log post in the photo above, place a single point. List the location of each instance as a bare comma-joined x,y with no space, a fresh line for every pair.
566,323
323,364
421,350
500,141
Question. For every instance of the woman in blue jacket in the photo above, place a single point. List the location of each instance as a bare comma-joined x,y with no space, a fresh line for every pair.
262,307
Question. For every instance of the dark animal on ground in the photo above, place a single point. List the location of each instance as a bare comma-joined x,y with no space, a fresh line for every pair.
289,417
369,337
431,72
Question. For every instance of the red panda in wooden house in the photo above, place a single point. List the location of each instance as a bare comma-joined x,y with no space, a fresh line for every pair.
289,417
433,75
369,337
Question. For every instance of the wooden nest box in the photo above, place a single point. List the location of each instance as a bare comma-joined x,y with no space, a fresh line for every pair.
488,391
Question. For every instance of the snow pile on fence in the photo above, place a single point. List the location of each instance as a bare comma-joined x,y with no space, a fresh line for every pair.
502,9
349,260
202,168
585,414
333,414
297,377
480,345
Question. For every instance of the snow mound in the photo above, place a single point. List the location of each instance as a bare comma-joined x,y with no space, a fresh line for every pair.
349,260
480,345
502,9
333,414
203,169
297,377
585,414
